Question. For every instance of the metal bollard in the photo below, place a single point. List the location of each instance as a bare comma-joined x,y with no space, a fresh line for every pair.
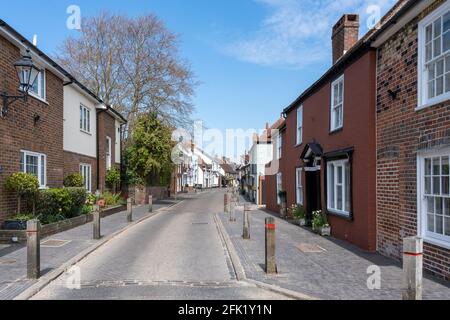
246,218
412,268
271,266
96,223
150,203
33,249
129,210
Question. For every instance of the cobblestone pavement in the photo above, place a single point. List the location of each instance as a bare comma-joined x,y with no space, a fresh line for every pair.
13,258
175,255
336,270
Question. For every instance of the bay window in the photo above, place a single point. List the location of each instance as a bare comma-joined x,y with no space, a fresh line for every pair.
434,57
339,187
35,164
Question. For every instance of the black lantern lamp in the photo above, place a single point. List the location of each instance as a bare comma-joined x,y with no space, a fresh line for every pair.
27,73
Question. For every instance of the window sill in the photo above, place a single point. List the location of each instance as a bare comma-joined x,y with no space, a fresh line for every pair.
437,242
336,130
343,215
298,145
30,94
433,102
86,132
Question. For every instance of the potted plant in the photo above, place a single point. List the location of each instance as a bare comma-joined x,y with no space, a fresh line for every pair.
320,223
299,215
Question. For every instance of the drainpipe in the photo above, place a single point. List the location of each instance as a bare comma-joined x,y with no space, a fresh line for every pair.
98,148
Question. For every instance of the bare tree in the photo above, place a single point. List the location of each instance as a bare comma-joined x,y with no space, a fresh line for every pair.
134,65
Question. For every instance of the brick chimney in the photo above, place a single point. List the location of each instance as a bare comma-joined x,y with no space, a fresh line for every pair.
345,35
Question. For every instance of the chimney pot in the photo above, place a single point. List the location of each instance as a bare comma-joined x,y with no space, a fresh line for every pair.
345,35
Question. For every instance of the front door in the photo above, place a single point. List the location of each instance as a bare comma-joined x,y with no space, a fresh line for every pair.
313,202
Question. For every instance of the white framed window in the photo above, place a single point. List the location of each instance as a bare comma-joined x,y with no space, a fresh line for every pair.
279,186
299,185
86,173
339,187
279,145
300,125
85,119
108,153
434,197
434,57
38,89
337,104
35,164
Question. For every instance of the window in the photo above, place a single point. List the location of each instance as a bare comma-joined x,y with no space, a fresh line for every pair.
300,125
85,171
435,197
299,186
279,145
38,88
434,57
35,164
279,186
337,104
85,119
339,191
108,153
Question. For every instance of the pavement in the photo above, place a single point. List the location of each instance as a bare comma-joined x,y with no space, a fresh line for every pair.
177,255
13,267
322,268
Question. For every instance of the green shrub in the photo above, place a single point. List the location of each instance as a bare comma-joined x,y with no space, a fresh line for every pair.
23,184
54,202
112,199
23,217
298,212
319,220
74,180
51,218
78,197
113,178
87,209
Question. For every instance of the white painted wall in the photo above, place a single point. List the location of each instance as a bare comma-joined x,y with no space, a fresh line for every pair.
76,140
117,143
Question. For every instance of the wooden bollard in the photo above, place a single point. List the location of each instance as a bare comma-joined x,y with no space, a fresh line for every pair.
33,249
412,268
232,206
225,202
96,223
129,210
246,222
150,203
271,266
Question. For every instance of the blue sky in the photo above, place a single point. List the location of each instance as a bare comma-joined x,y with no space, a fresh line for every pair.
252,57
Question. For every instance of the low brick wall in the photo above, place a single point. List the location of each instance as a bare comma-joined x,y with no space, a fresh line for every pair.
55,228
140,194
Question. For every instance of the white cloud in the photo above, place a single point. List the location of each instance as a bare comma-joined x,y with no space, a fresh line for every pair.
297,33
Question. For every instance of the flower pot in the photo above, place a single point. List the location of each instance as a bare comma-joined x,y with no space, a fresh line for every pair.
325,231
15,225
301,222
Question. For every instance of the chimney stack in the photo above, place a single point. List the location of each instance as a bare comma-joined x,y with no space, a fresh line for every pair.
345,35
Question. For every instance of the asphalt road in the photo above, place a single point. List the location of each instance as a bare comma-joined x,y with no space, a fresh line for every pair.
177,254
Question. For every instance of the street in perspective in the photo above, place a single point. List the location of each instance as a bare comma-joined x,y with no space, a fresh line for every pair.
225,163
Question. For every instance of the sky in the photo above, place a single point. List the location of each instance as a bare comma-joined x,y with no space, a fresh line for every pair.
251,57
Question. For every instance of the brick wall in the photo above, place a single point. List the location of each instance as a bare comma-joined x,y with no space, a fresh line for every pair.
106,127
19,132
72,163
401,132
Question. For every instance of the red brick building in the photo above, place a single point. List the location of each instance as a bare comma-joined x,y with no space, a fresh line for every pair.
33,134
413,132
